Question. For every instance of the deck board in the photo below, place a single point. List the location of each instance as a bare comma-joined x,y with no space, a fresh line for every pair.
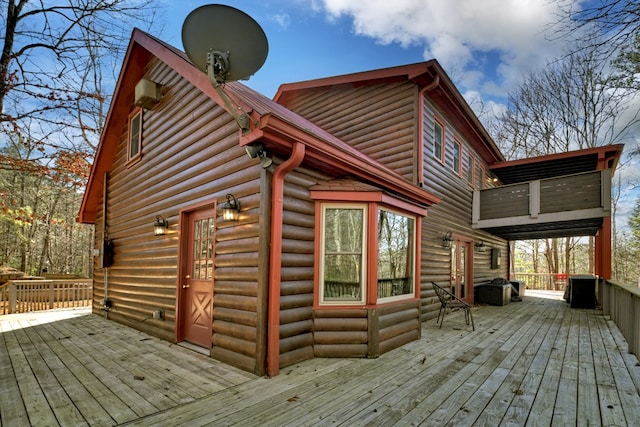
536,363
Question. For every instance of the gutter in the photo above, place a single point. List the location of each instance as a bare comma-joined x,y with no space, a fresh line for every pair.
275,256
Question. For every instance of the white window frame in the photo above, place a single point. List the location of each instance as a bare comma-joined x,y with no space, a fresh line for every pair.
412,239
365,268
135,157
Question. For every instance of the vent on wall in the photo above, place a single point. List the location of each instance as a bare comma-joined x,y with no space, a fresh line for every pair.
148,94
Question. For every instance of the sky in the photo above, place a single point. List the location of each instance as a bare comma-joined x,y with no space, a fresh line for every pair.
486,46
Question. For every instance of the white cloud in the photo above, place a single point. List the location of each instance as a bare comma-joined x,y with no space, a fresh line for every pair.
282,20
460,34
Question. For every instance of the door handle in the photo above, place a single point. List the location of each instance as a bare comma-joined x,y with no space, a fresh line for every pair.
185,286
188,276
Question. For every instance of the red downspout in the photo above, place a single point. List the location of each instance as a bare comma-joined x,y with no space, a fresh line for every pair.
423,91
275,257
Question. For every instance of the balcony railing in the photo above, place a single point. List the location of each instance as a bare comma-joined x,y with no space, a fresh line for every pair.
543,281
21,296
564,198
622,304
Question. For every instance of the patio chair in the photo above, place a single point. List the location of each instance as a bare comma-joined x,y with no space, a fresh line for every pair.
452,302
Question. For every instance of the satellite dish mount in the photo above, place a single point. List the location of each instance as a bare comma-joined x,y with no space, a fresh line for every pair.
217,66
227,45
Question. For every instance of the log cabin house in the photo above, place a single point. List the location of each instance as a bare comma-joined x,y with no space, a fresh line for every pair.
351,195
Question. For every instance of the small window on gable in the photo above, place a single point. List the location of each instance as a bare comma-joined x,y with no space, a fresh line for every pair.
457,156
438,141
134,141
471,169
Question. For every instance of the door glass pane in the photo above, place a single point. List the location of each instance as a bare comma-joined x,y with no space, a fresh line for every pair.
203,240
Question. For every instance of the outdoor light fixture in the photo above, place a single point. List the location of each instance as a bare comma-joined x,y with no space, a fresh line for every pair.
161,226
230,208
447,241
257,152
480,246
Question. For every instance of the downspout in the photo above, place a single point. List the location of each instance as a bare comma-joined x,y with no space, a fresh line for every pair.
104,242
275,257
431,86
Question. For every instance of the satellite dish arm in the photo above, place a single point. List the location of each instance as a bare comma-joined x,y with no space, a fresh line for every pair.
242,118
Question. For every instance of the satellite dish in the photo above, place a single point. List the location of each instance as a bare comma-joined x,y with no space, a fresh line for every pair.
224,42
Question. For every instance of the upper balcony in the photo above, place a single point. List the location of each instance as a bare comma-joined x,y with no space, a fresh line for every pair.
569,205
558,195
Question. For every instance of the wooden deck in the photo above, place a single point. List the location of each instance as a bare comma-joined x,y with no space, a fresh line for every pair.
536,362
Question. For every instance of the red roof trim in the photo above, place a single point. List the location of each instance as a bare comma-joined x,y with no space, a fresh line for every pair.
275,124
615,150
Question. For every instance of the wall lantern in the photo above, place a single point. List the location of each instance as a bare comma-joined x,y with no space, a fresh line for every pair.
480,246
257,152
230,208
447,241
161,226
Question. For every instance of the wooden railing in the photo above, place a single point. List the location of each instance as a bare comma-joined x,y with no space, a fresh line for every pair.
570,197
543,281
353,290
622,304
21,296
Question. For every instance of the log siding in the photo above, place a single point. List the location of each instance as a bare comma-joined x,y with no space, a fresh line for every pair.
190,156
453,213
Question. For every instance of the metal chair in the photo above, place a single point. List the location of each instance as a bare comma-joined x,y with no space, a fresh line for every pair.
452,302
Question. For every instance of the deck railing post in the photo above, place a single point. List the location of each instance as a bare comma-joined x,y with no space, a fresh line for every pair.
12,298
51,295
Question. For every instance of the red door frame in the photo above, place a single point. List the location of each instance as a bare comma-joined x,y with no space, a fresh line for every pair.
183,268
459,240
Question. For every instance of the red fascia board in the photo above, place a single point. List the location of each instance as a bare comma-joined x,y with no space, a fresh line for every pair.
368,196
400,73
613,150
134,63
346,158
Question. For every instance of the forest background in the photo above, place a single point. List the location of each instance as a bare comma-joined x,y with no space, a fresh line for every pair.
60,60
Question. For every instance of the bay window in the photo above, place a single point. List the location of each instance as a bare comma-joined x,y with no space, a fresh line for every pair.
367,254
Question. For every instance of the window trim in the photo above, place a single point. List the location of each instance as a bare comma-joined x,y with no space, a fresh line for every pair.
471,167
438,122
365,267
413,264
374,201
458,143
137,112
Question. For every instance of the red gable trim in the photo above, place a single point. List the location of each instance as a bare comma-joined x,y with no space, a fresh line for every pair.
613,151
277,125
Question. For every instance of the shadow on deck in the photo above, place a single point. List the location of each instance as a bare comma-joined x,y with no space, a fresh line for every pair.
535,362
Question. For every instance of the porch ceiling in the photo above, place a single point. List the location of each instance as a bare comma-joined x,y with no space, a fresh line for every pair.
575,228
516,171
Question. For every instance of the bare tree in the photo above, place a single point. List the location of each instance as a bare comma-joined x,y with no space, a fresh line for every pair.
571,103
58,65
608,25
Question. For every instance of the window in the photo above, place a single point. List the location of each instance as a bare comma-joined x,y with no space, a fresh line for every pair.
350,232
396,240
134,142
438,141
343,254
471,166
457,156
